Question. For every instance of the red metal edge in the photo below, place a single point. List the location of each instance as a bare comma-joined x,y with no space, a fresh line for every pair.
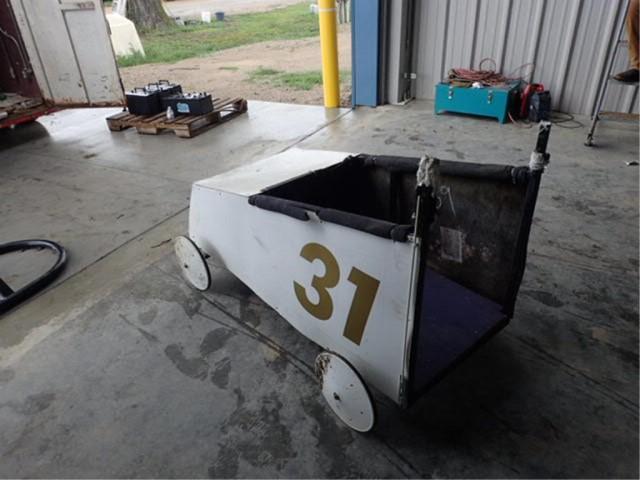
29,116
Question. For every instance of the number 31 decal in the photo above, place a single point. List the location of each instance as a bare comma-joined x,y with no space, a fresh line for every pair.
366,289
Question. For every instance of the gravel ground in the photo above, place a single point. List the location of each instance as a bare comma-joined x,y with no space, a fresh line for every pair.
225,73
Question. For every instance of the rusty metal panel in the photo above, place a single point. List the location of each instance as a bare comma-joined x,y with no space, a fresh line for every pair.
568,40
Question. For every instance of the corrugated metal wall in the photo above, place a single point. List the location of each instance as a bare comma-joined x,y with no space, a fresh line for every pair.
567,40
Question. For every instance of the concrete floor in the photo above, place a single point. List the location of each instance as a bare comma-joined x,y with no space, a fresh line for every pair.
121,370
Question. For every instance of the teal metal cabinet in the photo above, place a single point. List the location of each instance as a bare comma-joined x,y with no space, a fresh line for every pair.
486,101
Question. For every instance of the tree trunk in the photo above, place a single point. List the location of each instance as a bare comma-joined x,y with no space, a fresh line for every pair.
147,14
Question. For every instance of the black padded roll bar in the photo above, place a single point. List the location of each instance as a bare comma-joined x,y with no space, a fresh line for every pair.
539,159
488,171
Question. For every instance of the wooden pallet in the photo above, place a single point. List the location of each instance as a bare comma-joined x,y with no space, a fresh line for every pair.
184,126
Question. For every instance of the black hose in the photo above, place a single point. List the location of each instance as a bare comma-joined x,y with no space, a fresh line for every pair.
10,298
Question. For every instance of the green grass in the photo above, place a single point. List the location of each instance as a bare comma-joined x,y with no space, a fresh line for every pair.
264,73
131,60
301,80
295,80
169,45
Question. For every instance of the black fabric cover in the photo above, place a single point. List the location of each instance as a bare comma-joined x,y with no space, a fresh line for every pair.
480,213
354,193
474,235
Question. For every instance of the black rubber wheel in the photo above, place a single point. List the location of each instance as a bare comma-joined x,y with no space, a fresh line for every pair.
10,298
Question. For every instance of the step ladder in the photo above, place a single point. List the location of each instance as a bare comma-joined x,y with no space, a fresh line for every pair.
597,112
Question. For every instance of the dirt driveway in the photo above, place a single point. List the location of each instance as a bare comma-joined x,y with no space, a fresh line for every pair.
226,73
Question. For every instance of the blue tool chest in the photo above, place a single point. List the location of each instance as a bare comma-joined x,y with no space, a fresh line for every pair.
486,101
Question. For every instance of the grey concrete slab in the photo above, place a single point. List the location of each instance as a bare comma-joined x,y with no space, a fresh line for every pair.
265,129
172,396
89,209
92,190
22,266
35,320
121,370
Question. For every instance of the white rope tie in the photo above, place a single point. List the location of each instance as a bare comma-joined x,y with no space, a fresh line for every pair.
538,161
425,172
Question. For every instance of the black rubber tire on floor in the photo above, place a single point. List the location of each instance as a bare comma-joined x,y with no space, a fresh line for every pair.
10,298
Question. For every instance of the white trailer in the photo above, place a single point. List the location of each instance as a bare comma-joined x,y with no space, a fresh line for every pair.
55,54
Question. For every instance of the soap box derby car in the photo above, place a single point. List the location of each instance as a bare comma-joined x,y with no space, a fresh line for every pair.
397,267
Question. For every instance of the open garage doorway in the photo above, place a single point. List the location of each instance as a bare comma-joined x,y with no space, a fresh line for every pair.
257,49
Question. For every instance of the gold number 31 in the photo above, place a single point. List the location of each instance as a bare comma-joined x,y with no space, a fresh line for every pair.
366,290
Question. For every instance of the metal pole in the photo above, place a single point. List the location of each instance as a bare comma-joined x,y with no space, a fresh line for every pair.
602,91
329,46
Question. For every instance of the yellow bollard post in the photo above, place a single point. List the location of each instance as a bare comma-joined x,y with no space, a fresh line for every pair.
329,47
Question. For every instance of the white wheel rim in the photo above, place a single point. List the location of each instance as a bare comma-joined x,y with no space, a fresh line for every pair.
192,264
345,392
